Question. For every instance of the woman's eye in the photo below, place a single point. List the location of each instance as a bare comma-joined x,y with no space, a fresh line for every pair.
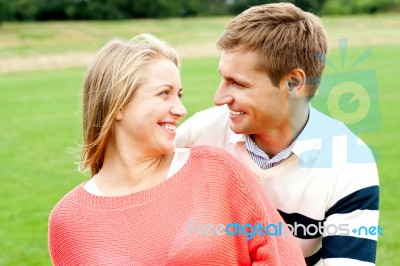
166,92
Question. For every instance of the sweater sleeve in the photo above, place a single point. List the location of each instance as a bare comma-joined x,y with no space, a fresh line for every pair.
207,127
57,230
184,136
264,229
352,219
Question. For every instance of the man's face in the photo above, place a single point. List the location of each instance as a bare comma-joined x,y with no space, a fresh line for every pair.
256,105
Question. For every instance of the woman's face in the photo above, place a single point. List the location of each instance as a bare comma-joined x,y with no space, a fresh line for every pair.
148,122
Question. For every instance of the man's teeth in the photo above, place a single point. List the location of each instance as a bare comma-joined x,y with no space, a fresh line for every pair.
236,113
169,127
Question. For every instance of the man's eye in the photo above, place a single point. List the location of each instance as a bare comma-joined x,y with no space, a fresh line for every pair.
236,84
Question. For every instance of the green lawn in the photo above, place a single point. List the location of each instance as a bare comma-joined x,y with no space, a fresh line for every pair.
40,119
31,38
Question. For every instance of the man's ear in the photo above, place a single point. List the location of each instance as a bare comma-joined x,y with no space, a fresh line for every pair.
296,82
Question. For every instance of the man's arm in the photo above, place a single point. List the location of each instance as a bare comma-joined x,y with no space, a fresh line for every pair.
351,228
207,127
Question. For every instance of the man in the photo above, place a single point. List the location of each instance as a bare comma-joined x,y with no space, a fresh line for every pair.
321,177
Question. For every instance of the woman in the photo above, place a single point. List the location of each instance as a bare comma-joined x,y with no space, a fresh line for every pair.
149,203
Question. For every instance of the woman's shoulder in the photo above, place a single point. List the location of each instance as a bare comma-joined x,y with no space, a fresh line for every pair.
66,203
218,162
211,152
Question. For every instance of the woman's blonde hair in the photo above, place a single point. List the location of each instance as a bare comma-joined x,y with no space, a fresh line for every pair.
117,70
284,36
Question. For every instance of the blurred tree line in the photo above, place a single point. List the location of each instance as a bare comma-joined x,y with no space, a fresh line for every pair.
29,10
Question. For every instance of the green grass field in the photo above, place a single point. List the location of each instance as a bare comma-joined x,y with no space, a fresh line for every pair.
40,114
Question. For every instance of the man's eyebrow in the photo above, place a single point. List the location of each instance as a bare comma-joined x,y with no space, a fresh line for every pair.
236,79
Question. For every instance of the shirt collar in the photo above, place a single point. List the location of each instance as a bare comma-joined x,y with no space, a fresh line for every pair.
235,138
308,139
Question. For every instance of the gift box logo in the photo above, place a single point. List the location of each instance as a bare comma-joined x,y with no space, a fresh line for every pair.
350,96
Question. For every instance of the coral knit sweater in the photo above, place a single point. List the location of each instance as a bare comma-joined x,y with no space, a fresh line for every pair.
181,221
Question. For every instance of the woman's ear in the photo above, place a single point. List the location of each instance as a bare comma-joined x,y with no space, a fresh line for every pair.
119,115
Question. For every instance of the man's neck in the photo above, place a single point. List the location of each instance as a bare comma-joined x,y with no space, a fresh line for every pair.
276,140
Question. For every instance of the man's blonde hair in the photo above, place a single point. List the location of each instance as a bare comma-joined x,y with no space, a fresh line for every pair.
284,36
117,70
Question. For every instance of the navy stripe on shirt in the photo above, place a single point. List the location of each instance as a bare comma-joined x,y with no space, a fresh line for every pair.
363,199
313,259
339,246
302,222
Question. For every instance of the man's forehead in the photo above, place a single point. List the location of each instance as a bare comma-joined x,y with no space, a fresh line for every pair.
236,62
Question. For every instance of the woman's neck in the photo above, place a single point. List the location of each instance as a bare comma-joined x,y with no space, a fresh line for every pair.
127,173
